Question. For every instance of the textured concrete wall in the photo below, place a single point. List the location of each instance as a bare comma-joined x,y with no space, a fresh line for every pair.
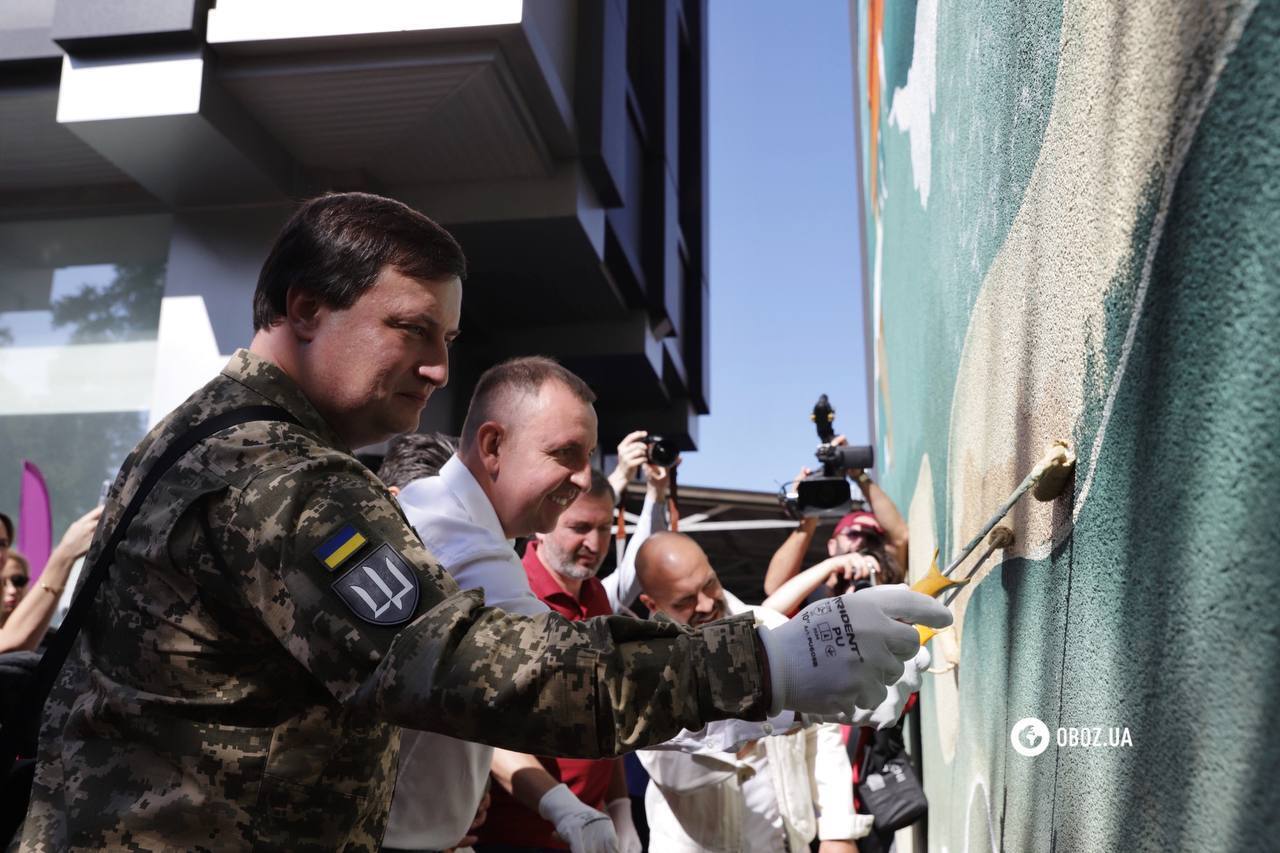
1071,216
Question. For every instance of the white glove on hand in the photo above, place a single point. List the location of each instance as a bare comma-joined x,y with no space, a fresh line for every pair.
889,711
896,695
620,813
842,652
583,828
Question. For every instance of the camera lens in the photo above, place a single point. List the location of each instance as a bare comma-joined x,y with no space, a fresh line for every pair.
660,451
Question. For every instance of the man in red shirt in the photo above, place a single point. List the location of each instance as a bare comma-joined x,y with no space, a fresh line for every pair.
534,796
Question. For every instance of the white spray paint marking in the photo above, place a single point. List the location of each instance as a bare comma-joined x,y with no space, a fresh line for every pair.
980,784
878,362
915,102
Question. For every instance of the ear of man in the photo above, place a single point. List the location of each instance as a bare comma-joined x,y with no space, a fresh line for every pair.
489,440
302,313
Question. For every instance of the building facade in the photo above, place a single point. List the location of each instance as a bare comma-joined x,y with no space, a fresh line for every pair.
151,149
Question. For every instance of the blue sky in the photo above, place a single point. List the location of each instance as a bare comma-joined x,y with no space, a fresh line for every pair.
786,309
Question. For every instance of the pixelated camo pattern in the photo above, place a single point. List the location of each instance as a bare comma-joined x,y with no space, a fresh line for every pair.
251,708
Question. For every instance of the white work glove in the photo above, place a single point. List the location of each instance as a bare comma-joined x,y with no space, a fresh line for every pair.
583,828
842,652
620,813
890,710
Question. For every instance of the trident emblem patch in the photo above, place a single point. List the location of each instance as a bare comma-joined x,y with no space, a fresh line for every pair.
381,588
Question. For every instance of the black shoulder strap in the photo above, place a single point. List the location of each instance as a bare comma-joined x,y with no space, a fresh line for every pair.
60,645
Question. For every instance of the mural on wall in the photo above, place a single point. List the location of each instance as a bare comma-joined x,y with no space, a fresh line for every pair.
1070,214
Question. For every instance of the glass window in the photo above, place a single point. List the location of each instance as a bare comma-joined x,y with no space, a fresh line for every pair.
79,315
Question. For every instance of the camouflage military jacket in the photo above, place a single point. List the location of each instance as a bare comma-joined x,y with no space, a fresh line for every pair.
270,620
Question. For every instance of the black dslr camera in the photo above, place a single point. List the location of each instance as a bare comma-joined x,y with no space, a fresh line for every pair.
660,451
826,494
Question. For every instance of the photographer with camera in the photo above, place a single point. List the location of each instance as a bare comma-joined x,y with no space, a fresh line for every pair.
658,458
879,536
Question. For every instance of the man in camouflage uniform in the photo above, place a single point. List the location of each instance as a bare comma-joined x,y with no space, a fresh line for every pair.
271,619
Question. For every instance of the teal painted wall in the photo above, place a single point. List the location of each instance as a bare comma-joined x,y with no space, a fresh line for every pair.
1072,216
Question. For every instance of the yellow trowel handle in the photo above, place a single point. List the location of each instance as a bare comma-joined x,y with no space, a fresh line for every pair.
935,581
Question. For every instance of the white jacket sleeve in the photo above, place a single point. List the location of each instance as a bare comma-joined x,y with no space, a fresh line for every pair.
833,788
621,585
726,735
677,772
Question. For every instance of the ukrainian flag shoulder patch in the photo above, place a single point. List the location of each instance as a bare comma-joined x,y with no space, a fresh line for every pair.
340,547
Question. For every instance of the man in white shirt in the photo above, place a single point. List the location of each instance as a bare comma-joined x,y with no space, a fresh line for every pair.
523,459
442,780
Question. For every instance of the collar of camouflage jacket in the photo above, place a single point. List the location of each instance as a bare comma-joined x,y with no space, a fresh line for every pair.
270,381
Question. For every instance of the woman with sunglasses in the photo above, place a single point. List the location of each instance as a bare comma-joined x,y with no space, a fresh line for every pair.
24,621
14,576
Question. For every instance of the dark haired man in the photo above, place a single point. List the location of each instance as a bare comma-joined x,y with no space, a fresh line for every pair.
271,619
413,456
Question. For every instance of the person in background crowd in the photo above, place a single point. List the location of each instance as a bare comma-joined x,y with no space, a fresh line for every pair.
879,534
632,453
775,793
15,574
621,585
24,624
413,456
15,589
535,796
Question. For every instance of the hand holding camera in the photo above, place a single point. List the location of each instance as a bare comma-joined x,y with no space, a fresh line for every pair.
827,494
850,571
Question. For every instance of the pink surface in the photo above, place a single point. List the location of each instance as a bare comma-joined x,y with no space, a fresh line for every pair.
35,522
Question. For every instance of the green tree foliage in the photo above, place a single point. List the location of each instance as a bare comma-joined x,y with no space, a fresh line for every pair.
128,309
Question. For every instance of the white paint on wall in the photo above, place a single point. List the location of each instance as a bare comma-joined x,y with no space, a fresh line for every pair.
914,103
944,699
979,786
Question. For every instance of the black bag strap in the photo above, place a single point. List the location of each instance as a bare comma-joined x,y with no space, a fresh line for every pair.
59,647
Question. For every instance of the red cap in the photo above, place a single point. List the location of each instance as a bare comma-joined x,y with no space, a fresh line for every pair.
859,521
